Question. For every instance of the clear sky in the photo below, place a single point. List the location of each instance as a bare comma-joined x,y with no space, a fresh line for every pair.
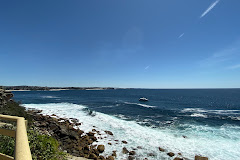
120,43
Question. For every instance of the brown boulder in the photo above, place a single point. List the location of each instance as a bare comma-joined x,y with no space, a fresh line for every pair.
124,150
109,132
73,134
90,134
151,154
93,138
200,158
101,148
101,158
171,154
177,158
130,158
161,149
132,153
114,154
92,156
110,158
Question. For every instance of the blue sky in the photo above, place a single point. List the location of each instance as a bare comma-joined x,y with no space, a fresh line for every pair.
124,43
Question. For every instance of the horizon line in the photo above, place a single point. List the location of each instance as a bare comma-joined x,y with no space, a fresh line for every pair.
128,87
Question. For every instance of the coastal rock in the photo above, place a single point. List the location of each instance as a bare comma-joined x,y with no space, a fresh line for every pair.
53,126
101,148
93,156
63,131
177,158
86,150
161,149
132,153
93,138
80,132
151,154
38,117
171,154
95,151
130,158
110,158
73,135
70,139
200,158
109,132
90,134
101,158
124,150
114,154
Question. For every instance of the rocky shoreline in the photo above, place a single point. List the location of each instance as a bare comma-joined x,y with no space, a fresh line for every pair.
73,141
78,143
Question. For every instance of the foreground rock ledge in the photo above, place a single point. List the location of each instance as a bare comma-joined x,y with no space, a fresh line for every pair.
72,140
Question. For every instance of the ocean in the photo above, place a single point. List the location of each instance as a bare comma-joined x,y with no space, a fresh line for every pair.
188,121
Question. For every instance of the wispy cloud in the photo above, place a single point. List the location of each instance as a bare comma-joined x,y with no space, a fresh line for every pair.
209,8
181,35
221,57
234,67
146,67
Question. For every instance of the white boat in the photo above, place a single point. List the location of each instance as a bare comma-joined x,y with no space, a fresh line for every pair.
143,99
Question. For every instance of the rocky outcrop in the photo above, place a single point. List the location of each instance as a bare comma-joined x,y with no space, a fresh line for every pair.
5,96
74,141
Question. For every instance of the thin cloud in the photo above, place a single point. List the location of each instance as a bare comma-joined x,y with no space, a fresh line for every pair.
146,67
220,57
209,8
181,35
234,67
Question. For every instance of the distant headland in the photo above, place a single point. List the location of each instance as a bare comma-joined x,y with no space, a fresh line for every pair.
40,88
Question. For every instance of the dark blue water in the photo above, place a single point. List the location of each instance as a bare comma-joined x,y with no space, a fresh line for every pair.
164,104
209,117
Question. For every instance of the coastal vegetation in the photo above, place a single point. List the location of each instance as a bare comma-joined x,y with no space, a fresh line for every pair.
43,147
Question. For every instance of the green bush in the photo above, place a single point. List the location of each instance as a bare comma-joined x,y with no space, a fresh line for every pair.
7,144
14,109
44,147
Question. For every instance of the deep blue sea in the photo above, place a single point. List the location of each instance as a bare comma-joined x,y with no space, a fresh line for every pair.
190,121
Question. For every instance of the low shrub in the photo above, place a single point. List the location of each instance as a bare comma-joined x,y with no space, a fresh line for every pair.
42,147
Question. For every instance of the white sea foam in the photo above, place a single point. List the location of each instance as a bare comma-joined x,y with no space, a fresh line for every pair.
198,115
49,97
217,143
140,104
220,112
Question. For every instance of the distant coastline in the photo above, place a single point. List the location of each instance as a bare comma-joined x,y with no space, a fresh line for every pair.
39,88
